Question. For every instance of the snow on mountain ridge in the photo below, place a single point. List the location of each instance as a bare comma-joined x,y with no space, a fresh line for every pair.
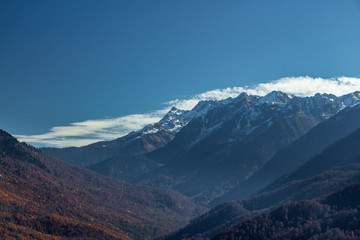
351,99
250,110
176,118
275,97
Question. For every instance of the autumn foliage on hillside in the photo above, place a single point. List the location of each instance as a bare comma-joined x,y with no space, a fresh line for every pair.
335,216
44,198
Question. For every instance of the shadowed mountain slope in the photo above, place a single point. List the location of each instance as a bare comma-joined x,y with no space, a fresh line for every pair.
336,167
297,153
224,215
335,216
344,151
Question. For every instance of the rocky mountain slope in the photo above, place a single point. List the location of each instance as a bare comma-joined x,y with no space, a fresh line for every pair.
235,138
297,153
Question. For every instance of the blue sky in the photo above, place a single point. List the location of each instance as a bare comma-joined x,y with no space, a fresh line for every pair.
64,62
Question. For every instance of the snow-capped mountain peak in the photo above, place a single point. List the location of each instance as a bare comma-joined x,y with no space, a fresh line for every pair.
351,99
275,97
174,113
176,118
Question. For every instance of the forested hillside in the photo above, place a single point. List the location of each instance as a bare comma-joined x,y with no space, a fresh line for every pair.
44,198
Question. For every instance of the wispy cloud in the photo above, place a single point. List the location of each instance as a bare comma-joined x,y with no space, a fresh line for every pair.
90,131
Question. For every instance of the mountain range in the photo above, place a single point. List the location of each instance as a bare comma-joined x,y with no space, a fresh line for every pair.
216,147
337,166
258,162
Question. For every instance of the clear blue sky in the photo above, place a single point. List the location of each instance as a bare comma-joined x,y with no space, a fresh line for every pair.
68,61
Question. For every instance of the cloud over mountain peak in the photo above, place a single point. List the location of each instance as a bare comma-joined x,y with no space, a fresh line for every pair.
90,131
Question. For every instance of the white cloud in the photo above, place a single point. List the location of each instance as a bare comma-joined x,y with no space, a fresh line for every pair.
298,86
217,94
90,131
307,86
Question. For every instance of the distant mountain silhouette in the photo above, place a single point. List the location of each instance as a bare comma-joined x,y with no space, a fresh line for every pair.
148,139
